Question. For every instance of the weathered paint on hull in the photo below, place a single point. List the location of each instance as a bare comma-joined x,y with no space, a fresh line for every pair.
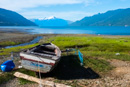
36,58
35,66
38,66
43,63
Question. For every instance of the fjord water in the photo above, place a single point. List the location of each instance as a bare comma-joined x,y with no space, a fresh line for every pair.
98,30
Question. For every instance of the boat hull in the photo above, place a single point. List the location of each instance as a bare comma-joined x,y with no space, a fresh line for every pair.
38,63
35,66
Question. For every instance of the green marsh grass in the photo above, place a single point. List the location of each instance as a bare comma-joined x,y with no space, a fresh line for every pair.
96,46
8,43
28,72
15,39
96,50
15,49
6,77
98,65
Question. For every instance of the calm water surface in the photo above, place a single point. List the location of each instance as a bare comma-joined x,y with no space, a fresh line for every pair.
98,30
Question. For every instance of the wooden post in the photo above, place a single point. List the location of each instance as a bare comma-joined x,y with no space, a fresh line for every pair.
43,82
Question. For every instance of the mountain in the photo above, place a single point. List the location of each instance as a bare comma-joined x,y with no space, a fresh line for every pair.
120,17
51,21
10,18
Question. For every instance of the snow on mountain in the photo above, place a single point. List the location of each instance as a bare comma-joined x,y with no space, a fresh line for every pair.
47,18
51,17
51,21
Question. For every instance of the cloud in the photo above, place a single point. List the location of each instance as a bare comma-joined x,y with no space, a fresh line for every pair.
72,15
17,5
23,6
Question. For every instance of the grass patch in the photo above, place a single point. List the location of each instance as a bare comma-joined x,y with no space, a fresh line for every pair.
8,43
96,46
106,55
15,39
96,50
15,49
101,43
99,65
28,72
6,77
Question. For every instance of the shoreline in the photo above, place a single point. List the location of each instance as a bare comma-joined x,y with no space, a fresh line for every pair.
67,31
16,31
5,30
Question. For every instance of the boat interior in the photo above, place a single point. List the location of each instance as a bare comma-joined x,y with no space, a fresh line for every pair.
47,50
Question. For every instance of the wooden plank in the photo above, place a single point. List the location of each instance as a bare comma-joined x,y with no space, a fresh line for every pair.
37,80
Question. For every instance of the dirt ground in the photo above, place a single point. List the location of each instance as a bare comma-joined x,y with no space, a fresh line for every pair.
119,77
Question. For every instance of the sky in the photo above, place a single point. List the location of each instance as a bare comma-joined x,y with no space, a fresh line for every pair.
66,9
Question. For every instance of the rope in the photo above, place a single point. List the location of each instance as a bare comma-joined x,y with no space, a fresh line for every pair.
40,85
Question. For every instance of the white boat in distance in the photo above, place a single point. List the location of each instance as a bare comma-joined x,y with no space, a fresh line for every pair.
41,58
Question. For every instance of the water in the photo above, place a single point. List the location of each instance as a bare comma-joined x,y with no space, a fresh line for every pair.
31,42
98,30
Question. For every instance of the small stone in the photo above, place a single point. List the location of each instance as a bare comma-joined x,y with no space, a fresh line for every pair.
97,82
19,67
117,54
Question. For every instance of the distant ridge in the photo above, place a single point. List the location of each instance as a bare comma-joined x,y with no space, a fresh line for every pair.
11,18
120,17
51,21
